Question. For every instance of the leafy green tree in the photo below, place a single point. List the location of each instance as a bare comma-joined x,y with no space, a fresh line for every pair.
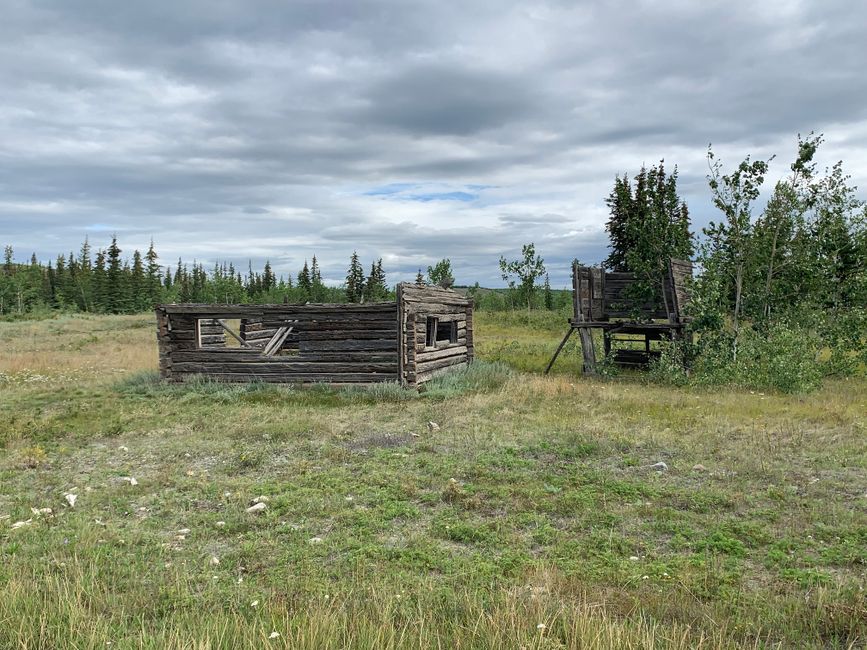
440,274
728,241
527,270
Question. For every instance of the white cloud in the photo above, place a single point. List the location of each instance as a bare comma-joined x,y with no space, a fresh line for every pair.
229,134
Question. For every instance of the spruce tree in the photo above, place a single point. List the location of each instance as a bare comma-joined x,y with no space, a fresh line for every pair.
99,300
138,285
419,279
304,282
355,280
317,289
548,295
268,278
152,276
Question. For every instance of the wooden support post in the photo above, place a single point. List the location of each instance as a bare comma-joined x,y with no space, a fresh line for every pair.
234,336
559,347
588,350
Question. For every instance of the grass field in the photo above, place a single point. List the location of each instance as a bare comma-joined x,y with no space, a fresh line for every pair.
530,517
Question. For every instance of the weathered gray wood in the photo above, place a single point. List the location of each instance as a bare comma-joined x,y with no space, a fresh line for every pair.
276,341
206,310
237,355
232,334
335,343
452,350
284,367
348,345
326,378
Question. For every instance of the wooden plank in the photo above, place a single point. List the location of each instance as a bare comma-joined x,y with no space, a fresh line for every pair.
232,334
213,310
326,378
588,350
430,355
349,345
435,308
426,366
284,367
237,355
424,377
276,341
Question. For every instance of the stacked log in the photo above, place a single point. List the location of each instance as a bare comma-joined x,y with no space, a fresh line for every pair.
420,306
335,343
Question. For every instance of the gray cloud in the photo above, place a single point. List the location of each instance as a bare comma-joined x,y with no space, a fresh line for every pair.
230,132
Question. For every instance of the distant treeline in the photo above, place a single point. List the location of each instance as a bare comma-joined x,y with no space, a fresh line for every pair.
106,282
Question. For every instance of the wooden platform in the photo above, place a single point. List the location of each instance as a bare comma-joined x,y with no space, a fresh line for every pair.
603,301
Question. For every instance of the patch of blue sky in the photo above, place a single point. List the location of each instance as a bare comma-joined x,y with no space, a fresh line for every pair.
442,196
390,189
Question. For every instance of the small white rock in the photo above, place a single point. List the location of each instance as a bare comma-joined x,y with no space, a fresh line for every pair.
257,507
659,467
21,524
261,499
70,499
215,560
634,558
541,626
220,524
698,467
255,603
183,531
433,426
315,540
273,635
129,479
123,448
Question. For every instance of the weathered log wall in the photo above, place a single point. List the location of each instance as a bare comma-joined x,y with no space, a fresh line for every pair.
448,312
327,343
600,295
427,331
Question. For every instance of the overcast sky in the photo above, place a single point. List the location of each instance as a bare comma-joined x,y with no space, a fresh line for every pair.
411,131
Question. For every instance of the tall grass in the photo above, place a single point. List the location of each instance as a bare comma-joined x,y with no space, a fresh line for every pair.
79,611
